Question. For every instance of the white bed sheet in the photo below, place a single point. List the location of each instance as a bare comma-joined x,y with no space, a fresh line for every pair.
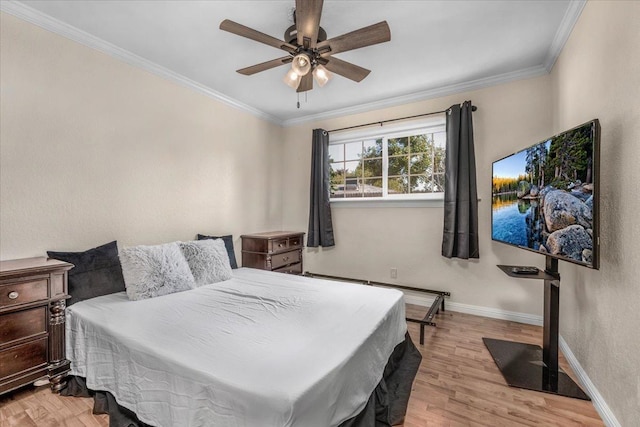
261,349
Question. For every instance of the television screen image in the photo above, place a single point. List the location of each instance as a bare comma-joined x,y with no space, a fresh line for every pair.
545,197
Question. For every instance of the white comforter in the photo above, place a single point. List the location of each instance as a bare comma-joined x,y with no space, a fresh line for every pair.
261,349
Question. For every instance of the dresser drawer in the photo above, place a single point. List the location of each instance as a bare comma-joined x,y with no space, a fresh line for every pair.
23,324
22,357
290,269
23,292
285,258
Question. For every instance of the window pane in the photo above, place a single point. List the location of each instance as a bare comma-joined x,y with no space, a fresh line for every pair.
336,153
372,149
398,165
421,143
420,164
353,150
427,184
337,173
440,139
352,169
372,168
398,146
440,156
398,184
372,187
418,184
337,180
438,181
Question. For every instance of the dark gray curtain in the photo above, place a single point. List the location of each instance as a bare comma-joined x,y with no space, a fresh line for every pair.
460,233
320,226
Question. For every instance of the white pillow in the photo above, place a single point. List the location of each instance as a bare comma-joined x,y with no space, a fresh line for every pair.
208,260
152,271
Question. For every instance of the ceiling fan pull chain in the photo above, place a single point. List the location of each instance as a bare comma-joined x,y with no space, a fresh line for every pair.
298,99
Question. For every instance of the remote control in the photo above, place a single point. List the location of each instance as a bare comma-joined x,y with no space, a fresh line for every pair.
525,270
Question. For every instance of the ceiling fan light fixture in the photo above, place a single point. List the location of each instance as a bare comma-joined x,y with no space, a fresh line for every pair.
301,64
321,75
292,79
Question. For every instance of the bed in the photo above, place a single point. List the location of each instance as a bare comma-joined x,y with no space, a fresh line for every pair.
260,349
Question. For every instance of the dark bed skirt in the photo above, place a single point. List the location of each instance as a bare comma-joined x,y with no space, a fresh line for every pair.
387,404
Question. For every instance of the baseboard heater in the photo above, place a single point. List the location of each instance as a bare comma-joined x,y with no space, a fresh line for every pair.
436,306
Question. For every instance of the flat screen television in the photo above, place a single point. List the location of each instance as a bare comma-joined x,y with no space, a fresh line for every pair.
545,198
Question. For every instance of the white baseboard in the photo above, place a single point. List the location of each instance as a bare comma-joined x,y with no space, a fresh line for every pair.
599,403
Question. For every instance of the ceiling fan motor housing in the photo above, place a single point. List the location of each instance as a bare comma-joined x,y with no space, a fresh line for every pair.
291,35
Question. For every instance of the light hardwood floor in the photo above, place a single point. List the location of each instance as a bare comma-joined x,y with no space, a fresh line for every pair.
458,384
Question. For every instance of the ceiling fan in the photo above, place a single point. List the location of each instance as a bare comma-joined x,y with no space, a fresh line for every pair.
309,51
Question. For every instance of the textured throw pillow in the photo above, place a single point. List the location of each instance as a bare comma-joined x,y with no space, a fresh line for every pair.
96,272
228,243
208,260
152,271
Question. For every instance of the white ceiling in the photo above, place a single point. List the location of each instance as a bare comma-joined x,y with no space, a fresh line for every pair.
436,47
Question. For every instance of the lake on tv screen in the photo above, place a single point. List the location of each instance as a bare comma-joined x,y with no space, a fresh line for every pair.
509,220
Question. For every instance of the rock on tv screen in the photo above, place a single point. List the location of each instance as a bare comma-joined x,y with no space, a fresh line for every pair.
545,197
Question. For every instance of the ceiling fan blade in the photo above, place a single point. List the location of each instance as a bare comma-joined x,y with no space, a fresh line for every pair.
308,14
250,33
367,36
346,69
248,71
306,83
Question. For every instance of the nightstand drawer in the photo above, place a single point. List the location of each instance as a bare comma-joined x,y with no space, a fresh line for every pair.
23,292
295,242
23,324
278,245
290,269
23,357
285,258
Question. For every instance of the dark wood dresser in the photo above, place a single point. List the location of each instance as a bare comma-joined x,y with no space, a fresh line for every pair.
279,251
32,322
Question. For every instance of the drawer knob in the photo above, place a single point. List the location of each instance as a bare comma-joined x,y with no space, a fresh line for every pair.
280,245
285,258
13,295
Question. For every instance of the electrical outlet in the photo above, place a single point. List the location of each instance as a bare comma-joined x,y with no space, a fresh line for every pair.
394,273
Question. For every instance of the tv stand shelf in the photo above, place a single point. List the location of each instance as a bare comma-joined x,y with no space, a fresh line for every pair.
530,366
540,275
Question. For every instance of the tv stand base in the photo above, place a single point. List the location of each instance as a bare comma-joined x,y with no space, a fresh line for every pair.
530,366
521,366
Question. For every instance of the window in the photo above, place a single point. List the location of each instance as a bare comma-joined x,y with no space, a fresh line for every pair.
389,164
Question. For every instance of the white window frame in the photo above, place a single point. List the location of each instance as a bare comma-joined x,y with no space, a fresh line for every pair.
430,124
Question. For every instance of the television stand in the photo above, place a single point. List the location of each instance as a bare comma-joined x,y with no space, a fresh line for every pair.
530,366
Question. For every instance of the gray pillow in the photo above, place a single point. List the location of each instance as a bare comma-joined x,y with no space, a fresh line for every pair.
208,260
228,243
152,271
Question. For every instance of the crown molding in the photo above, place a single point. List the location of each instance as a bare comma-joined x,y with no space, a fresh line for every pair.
564,31
536,71
54,25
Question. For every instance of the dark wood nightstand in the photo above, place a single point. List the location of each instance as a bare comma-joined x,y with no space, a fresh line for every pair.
32,322
279,251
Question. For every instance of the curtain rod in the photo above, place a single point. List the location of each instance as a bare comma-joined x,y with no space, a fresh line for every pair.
381,122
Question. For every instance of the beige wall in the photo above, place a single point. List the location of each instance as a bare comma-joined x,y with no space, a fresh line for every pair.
370,241
598,75
93,149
